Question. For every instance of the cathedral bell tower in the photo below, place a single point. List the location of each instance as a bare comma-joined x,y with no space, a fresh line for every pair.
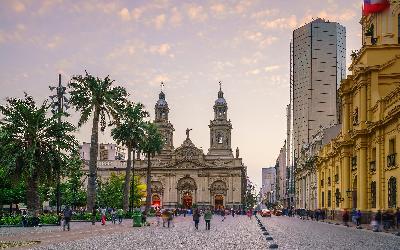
220,129
163,124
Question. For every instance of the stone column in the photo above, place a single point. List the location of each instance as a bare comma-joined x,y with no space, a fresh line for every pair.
363,106
362,190
345,181
345,117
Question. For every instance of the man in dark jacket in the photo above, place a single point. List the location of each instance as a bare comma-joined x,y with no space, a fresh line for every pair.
196,218
67,217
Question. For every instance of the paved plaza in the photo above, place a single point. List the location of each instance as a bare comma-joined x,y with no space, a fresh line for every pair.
234,233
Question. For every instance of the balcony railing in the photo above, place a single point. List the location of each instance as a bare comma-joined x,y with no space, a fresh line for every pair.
372,166
391,160
336,178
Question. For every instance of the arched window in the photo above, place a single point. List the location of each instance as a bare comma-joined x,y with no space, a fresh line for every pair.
219,138
373,194
392,192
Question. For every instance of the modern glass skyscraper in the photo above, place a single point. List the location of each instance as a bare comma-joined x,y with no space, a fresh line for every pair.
318,64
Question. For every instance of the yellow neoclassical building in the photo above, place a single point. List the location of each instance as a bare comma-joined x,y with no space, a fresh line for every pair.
360,167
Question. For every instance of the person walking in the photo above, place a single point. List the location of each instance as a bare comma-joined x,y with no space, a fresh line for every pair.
94,211
378,218
67,214
170,218
358,218
346,218
103,216
120,214
223,214
196,218
158,217
207,218
113,215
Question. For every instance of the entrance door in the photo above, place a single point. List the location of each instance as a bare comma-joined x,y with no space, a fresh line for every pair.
187,200
219,202
156,201
354,194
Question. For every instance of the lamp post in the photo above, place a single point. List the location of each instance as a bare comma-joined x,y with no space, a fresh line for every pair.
59,102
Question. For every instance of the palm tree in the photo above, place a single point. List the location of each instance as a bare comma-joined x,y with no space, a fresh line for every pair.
94,96
32,143
130,132
152,143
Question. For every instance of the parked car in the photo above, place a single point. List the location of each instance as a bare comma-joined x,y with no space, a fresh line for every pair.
265,213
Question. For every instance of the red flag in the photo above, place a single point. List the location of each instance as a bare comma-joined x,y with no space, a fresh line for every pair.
375,6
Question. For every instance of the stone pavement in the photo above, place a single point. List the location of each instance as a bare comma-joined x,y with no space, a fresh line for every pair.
294,233
233,233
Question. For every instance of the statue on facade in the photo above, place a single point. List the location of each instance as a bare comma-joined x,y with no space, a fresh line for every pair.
187,133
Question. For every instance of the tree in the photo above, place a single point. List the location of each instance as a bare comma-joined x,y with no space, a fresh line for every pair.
130,132
250,198
10,193
110,192
31,144
151,144
94,96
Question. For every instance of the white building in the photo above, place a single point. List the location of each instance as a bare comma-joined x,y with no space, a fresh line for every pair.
268,191
107,152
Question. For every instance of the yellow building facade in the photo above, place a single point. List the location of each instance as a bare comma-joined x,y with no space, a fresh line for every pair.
360,167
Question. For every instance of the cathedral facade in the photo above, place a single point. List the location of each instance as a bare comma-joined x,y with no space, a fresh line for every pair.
185,176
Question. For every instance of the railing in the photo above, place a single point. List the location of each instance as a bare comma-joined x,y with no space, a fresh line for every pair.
391,160
372,166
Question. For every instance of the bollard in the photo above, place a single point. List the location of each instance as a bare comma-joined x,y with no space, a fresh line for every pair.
265,233
269,238
273,246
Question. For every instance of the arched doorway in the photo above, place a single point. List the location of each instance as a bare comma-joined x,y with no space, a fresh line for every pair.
187,200
186,192
155,200
219,201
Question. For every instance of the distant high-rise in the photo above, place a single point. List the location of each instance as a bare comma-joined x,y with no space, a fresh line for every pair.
318,64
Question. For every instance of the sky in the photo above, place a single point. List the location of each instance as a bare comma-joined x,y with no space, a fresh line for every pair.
190,45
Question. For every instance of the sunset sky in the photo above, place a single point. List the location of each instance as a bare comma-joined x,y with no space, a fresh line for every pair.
190,45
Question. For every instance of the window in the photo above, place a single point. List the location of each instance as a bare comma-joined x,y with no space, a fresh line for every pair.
372,163
373,194
338,197
219,139
392,192
398,28
329,198
323,199
391,158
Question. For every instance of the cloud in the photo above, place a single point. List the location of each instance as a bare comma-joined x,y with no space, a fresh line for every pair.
161,49
159,78
280,23
218,8
243,5
124,14
197,13
54,42
271,68
159,21
176,17
136,13
18,7
265,13
259,38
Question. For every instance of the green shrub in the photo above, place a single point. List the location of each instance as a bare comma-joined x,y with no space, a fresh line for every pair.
48,219
11,220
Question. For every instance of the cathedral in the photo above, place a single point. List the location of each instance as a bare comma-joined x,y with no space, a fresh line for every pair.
185,176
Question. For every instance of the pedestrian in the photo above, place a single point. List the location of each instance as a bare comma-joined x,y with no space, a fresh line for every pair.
378,218
103,212
94,215
207,218
164,216
24,219
232,212
120,214
397,218
346,218
144,217
223,215
158,217
196,218
358,218
170,218
249,213
67,214
113,215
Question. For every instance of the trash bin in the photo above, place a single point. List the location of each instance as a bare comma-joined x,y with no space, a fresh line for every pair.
137,219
